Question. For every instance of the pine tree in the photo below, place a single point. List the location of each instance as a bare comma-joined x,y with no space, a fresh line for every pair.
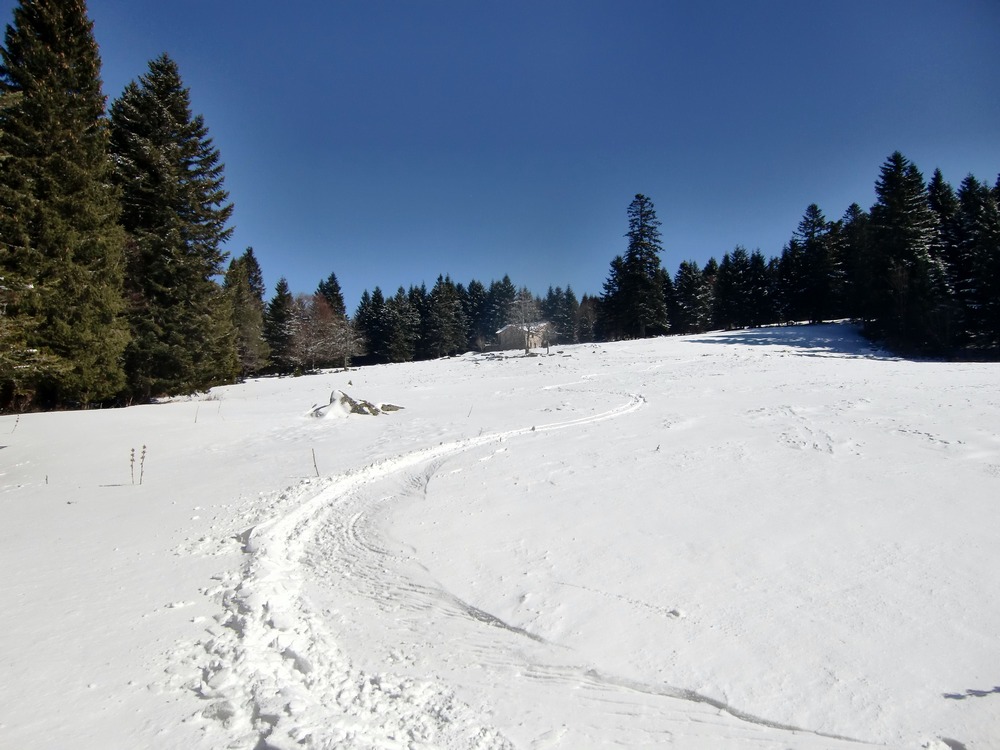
792,283
60,244
372,325
567,317
760,304
176,212
247,314
279,328
666,283
501,295
634,291
254,275
403,327
447,333
560,309
977,261
912,297
477,315
330,289
420,304
857,262
693,299
710,273
613,319
733,289
820,267
587,317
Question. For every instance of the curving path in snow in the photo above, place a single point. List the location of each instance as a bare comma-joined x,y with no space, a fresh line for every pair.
276,673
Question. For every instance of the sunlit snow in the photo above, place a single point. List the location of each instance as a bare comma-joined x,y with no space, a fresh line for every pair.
779,538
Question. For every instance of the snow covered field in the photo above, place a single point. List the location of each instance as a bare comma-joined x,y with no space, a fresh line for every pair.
759,539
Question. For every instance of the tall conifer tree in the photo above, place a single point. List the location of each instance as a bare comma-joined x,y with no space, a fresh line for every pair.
279,327
60,245
634,293
977,266
693,299
247,311
448,326
176,212
330,289
477,315
857,262
910,285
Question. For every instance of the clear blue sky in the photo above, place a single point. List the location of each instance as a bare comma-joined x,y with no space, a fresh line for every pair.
393,140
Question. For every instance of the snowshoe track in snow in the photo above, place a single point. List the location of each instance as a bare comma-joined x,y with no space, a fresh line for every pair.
271,672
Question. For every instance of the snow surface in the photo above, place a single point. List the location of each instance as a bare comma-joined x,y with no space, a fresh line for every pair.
776,538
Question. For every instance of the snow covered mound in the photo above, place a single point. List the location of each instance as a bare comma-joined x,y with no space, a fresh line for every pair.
342,405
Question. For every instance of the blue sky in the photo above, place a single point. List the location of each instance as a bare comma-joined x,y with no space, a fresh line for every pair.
393,140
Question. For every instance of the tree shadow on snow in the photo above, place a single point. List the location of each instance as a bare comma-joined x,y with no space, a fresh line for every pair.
972,694
837,340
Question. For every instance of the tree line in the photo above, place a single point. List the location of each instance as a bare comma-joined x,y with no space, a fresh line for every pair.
114,286
920,270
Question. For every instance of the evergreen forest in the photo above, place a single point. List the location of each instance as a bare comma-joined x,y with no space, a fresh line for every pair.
116,286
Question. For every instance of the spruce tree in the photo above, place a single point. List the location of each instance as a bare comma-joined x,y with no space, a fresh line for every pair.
254,275
566,319
176,212
60,244
821,270
666,283
760,308
403,322
733,290
279,328
710,273
693,299
792,283
247,314
857,263
634,291
501,295
330,289
911,292
613,318
587,319
371,322
447,319
420,304
977,266
477,315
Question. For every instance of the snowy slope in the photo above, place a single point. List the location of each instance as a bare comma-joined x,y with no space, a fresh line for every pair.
774,538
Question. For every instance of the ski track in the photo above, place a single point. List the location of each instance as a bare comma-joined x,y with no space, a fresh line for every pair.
272,674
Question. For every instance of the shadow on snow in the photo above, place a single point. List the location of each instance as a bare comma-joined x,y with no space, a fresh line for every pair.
840,340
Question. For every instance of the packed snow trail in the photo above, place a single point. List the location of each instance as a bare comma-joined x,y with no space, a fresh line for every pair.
275,676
